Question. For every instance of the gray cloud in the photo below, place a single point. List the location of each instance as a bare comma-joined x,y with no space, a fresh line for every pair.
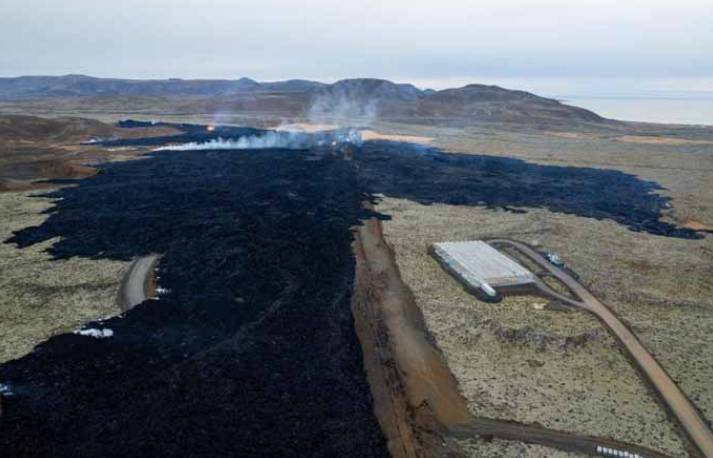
271,39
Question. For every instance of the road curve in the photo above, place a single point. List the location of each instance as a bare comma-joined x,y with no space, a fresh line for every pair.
134,287
563,440
688,416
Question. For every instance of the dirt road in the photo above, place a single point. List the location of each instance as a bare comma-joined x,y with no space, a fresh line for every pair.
135,286
563,440
686,413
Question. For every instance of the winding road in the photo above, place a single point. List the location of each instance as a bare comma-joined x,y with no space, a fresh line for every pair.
135,285
688,416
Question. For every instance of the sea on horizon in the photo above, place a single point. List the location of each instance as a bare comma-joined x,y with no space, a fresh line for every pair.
674,100
669,110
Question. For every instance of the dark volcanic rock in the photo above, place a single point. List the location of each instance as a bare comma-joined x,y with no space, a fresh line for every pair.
429,176
252,353
190,133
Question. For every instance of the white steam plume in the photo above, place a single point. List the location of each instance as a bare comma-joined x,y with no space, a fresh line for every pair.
342,109
275,140
349,103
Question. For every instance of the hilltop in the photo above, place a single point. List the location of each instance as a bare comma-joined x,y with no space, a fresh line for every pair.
33,87
344,99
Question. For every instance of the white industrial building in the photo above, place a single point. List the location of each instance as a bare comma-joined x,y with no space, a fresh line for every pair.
481,268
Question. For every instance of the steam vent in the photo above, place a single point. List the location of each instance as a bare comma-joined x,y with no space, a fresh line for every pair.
481,268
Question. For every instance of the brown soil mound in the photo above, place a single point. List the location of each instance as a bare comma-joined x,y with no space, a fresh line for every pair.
416,398
17,128
20,129
34,148
32,175
660,140
65,169
690,223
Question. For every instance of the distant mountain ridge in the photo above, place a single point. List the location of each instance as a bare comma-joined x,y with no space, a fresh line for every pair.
24,87
347,98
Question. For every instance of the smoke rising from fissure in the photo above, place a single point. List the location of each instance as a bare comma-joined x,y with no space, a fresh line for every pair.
277,139
342,109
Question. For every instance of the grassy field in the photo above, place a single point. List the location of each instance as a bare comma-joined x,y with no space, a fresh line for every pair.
41,297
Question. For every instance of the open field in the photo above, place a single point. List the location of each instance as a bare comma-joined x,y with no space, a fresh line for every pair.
506,449
40,296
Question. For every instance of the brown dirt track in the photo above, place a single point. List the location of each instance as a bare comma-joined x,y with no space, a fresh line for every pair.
415,395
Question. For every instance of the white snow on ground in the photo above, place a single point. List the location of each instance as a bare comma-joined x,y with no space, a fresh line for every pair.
96,333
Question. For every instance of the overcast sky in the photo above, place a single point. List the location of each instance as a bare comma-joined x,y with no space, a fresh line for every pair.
433,43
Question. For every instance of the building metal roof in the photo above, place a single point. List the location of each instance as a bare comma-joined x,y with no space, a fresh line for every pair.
481,266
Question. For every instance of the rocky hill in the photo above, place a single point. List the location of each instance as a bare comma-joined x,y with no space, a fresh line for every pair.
34,129
495,104
349,99
364,97
25,87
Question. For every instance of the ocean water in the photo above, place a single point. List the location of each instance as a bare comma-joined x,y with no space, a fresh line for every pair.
682,110
675,100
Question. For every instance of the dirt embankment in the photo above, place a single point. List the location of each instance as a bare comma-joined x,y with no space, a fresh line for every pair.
696,225
19,130
416,398
25,176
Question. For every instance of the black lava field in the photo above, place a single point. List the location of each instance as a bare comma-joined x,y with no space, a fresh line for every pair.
253,351
430,177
